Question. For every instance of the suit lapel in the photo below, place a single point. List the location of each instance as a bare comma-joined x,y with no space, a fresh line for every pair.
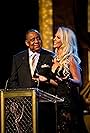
40,61
26,67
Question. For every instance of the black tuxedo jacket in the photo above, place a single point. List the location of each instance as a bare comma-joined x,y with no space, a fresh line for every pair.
21,73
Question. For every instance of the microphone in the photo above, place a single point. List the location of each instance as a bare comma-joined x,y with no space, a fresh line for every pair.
6,84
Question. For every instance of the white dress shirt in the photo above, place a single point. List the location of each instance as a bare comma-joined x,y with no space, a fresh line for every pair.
36,58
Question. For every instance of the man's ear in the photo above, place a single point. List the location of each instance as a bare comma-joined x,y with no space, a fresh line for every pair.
26,43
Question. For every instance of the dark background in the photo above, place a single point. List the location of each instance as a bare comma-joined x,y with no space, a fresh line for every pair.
15,18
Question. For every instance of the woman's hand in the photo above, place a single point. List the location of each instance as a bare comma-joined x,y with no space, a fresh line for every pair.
42,78
53,82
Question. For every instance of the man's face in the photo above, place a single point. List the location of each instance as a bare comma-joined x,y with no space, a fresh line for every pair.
33,41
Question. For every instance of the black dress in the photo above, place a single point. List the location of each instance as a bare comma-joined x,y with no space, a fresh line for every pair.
69,113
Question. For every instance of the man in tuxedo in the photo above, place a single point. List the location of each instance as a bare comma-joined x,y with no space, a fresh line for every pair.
23,74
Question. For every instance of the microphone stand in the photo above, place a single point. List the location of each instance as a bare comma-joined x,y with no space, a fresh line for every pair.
15,72
6,84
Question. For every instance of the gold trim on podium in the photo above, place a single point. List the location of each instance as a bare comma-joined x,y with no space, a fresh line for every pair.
14,94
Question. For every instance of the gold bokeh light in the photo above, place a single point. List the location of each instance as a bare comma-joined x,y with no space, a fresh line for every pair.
46,23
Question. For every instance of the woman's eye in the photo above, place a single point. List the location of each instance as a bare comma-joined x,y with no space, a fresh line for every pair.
58,37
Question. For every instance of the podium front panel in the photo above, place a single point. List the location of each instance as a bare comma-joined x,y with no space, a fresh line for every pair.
18,111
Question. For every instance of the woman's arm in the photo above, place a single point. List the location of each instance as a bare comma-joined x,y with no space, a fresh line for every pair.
42,78
75,71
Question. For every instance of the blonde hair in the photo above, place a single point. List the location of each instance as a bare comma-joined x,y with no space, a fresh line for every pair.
69,47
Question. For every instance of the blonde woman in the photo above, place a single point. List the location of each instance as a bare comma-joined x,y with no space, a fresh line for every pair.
67,74
67,58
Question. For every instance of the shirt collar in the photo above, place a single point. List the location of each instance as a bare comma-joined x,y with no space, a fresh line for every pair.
31,53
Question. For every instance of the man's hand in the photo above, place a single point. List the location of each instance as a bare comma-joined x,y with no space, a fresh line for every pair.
40,78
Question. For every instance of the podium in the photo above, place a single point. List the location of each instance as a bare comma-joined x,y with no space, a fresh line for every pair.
18,111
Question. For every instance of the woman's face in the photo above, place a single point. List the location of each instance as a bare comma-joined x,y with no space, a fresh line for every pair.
57,40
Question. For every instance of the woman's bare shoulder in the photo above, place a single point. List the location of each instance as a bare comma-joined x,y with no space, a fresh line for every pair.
72,61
